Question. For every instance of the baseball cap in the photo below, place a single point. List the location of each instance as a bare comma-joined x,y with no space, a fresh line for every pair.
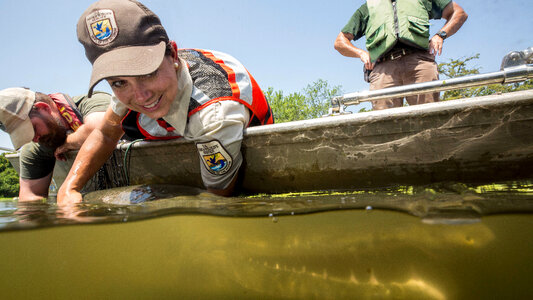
15,106
121,38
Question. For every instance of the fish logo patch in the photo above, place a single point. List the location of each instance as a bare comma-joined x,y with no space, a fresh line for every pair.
214,157
102,26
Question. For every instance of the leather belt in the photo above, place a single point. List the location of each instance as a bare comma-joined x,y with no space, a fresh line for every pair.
395,54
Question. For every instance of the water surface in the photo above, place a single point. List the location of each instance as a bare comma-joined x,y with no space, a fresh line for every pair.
447,241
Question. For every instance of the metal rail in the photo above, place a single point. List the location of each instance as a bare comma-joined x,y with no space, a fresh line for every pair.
509,75
516,66
6,149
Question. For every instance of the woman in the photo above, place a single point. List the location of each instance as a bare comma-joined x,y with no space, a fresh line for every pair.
163,93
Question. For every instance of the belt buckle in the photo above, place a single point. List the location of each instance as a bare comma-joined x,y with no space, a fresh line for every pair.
394,56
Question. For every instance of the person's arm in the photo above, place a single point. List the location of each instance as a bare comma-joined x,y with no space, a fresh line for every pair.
228,191
455,17
34,189
75,140
92,155
218,131
345,47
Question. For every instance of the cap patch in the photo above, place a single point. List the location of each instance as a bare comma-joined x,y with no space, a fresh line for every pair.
102,26
215,158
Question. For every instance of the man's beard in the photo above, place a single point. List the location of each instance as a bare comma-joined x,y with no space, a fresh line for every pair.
57,135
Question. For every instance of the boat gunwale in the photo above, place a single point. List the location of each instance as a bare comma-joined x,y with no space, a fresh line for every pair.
450,106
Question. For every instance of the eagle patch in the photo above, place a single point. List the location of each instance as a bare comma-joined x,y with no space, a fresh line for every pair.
102,26
214,157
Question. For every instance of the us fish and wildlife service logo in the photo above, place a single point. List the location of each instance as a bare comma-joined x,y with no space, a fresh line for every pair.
214,157
102,26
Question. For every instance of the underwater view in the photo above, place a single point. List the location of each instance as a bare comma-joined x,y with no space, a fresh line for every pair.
445,241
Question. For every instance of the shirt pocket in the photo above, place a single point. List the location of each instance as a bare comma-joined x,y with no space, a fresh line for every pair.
418,26
375,38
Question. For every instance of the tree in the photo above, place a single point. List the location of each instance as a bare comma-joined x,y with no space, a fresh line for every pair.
9,179
459,67
312,102
286,108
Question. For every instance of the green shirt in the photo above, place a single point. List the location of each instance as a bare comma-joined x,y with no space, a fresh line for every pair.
37,161
357,23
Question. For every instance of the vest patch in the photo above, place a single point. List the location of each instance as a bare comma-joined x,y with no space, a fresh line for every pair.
102,26
214,157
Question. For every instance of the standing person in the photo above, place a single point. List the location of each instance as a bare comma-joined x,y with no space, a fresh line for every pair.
46,126
164,93
397,39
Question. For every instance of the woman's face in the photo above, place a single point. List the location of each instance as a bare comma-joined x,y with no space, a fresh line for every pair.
150,94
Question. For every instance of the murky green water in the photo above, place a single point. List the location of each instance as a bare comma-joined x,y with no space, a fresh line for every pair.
440,242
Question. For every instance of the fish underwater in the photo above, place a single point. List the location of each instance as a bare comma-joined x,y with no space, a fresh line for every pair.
165,241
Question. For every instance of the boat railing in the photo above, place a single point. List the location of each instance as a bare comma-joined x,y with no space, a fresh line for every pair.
6,149
516,66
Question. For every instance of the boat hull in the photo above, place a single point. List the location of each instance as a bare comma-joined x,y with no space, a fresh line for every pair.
484,139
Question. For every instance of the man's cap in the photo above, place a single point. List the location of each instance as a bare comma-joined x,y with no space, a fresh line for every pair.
121,38
15,106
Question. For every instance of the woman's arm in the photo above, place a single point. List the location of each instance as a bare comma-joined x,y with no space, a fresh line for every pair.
92,155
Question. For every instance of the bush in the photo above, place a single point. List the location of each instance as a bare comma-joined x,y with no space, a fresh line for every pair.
9,179
313,102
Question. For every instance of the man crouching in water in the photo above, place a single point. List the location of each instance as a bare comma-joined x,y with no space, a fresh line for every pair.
46,127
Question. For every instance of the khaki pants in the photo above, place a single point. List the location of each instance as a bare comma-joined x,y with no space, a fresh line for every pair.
416,67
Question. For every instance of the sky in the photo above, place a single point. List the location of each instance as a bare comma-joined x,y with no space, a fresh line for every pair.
285,44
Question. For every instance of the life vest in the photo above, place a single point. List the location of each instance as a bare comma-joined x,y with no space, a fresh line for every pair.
389,21
215,77
68,110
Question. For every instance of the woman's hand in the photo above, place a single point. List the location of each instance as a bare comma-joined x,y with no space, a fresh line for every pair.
67,197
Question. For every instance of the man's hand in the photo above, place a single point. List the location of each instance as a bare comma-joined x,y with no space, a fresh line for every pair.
365,58
59,153
345,47
72,142
435,45
455,17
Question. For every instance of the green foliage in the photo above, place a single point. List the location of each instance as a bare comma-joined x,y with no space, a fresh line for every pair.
9,179
312,102
286,108
459,67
